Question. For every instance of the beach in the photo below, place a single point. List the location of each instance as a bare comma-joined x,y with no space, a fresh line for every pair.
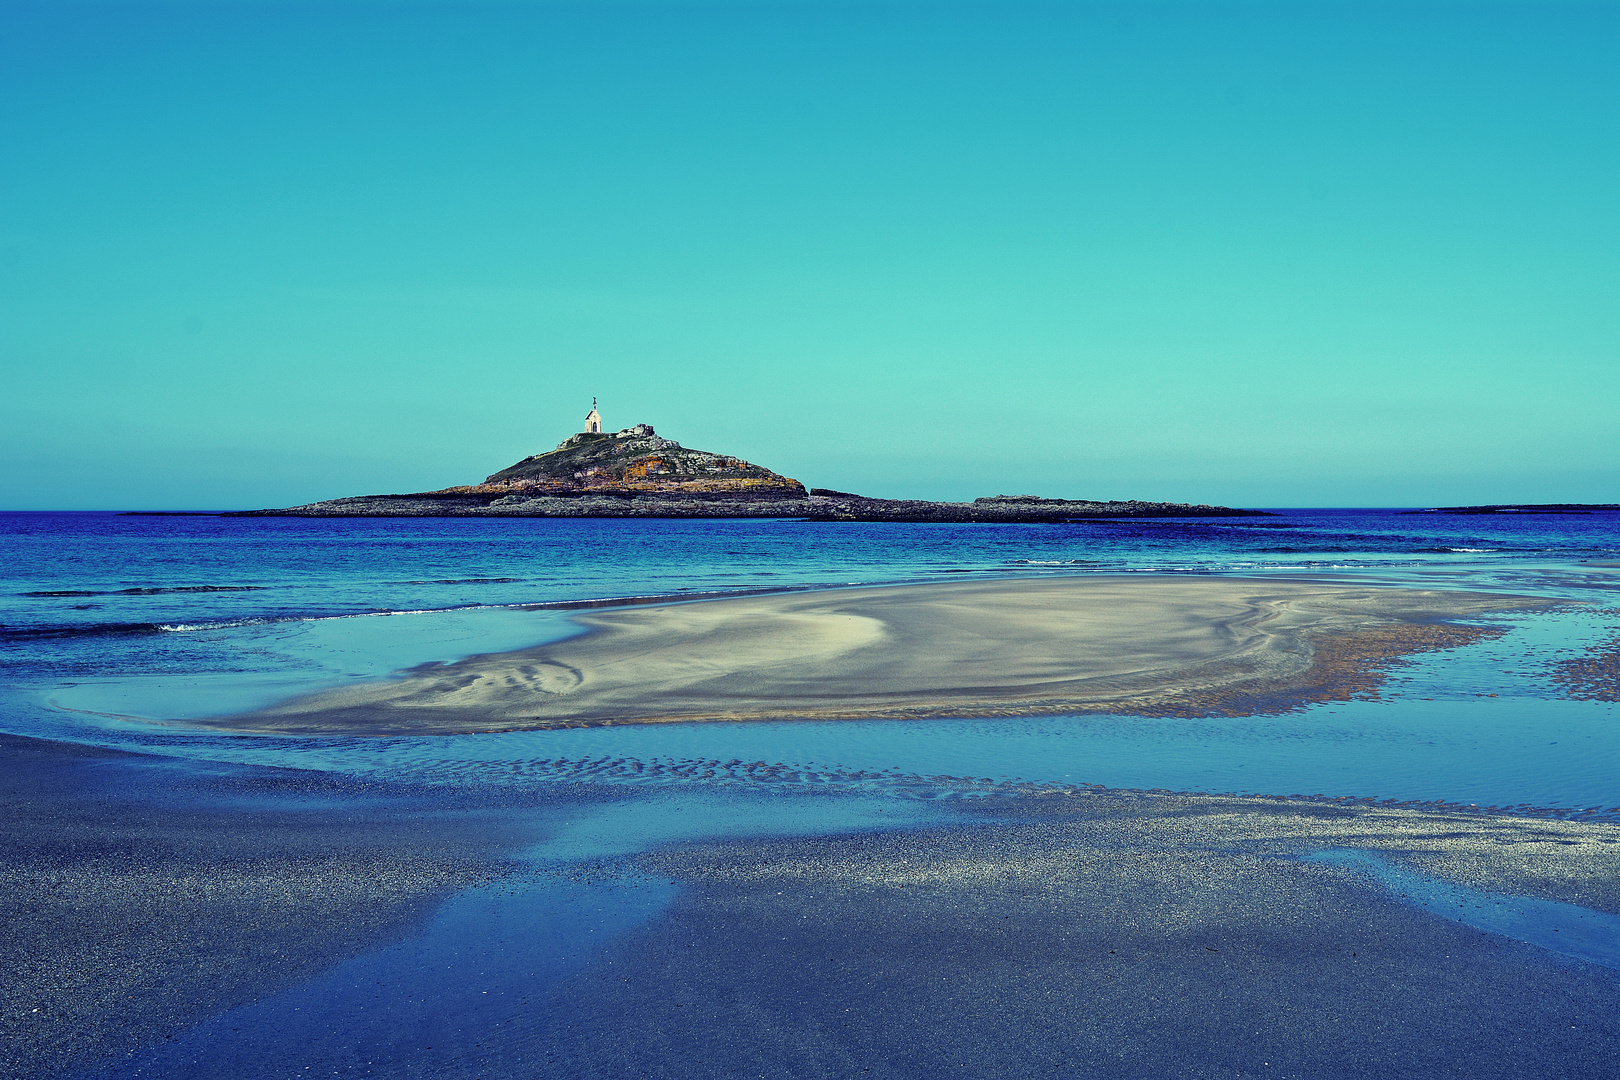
809,541
1154,645
900,805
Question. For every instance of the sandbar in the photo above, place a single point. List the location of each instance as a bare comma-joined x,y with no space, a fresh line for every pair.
1023,646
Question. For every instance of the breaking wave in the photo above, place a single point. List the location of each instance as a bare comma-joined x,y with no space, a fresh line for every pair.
147,590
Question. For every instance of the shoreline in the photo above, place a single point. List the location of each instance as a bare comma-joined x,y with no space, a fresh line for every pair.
815,506
1181,646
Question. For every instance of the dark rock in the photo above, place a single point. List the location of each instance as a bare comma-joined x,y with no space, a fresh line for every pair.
632,462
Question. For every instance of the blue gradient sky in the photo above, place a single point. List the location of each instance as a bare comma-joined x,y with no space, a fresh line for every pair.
1255,254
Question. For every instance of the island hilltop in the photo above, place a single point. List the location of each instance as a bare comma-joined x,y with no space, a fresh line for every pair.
637,473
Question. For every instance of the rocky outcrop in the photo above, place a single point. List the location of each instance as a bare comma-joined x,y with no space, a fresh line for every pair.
635,473
635,461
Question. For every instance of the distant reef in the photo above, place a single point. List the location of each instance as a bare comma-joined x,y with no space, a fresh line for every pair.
1526,508
636,473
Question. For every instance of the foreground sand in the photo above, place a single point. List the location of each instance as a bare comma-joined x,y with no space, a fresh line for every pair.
1058,935
1156,645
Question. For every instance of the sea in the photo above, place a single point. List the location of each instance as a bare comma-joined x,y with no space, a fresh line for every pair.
115,630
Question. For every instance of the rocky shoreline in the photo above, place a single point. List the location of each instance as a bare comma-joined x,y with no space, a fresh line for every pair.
815,506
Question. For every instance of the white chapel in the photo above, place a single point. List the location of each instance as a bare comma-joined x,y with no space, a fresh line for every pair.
593,420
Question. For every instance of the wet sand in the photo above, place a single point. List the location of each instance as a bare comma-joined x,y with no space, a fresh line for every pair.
139,895
1115,935
1137,645
1092,934
1594,674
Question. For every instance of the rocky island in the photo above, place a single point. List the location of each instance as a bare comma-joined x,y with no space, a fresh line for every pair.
637,473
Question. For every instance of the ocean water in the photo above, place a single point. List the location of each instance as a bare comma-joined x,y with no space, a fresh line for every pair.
111,625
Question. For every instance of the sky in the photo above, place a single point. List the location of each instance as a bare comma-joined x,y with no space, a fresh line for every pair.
1270,255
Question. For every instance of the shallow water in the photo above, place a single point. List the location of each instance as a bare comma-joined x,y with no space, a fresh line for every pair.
259,609
1576,932
1479,725
1543,754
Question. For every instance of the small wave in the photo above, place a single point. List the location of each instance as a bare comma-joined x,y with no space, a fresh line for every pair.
668,597
47,633
466,581
1385,550
1469,550
1056,562
60,631
227,624
71,630
150,591
224,624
